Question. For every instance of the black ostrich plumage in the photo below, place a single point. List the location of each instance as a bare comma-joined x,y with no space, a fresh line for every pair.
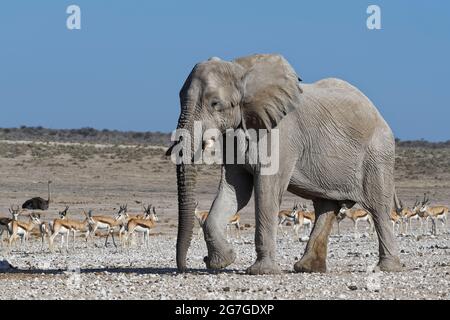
38,203
35,204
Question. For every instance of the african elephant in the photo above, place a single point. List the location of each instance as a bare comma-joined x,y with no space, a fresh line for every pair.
336,149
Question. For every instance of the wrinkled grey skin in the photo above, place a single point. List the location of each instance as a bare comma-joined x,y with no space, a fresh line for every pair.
336,148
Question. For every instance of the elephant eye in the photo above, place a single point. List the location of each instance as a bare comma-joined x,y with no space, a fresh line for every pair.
215,104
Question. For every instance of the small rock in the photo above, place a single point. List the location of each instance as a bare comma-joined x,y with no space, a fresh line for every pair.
226,289
353,287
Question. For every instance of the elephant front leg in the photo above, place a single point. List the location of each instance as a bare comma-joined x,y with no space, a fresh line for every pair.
235,191
267,203
220,252
314,258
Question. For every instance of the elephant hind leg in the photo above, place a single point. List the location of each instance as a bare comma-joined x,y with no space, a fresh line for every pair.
378,195
387,243
314,258
388,249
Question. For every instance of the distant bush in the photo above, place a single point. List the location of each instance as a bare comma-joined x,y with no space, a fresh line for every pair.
135,137
422,144
85,135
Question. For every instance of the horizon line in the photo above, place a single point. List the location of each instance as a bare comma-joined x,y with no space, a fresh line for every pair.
39,127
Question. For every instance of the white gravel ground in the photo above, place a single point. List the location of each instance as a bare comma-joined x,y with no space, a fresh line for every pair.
96,272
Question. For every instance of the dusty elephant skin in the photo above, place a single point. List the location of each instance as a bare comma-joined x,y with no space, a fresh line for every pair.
336,149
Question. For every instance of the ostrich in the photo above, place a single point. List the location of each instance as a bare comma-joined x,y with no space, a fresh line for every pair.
38,203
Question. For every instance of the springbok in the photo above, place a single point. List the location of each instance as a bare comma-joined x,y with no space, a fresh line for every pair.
303,218
68,225
415,214
408,215
44,231
435,213
125,217
396,218
339,217
201,218
62,231
287,216
3,227
141,225
355,215
8,222
23,229
4,222
109,223
234,220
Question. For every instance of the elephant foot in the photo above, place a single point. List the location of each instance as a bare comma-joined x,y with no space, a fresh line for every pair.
263,266
219,261
309,263
389,264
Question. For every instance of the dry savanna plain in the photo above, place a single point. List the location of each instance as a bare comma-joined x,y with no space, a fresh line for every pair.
101,176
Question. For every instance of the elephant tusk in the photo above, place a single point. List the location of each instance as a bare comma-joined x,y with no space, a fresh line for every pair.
208,144
169,151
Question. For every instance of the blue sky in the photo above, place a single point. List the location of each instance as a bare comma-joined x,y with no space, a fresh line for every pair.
124,68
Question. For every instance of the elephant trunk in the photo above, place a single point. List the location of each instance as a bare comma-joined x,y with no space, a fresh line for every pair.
186,181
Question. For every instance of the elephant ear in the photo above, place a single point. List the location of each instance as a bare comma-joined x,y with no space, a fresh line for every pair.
270,90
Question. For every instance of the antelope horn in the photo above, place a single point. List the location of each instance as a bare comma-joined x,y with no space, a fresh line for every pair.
425,198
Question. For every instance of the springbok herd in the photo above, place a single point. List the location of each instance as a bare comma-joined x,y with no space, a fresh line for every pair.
121,222
401,218
127,225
